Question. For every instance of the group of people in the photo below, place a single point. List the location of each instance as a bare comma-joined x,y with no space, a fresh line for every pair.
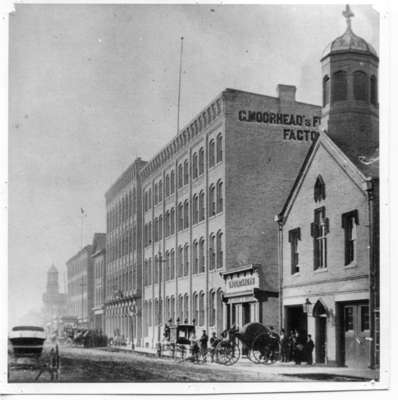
296,347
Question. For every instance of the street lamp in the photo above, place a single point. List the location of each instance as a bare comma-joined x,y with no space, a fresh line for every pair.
307,305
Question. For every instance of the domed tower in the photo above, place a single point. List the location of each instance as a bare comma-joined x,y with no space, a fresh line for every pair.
52,281
350,112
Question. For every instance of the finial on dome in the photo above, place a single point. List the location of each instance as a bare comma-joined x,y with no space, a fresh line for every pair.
348,14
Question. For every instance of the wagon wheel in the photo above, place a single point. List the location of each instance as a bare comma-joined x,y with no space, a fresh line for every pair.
223,353
234,354
259,349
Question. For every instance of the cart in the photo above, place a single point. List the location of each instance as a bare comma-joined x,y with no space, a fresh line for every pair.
260,343
28,354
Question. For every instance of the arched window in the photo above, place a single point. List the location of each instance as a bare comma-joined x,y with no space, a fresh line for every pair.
167,311
172,181
212,252
150,232
160,234
155,193
195,306
155,229
339,88
212,150
180,216
186,214
201,308
201,161
167,223
373,90
186,172
180,176
150,197
150,313
195,209
160,191
201,255
167,266
172,221
180,261
146,280
220,200
220,251
172,264
180,308
219,147
361,86
172,308
319,189
212,308
326,90
186,259
219,316
155,269
186,308
156,311
146,319
212,200
134,206
195,257
201,205
167,185
195,165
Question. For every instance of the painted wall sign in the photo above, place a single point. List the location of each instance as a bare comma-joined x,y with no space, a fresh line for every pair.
293,120
242,283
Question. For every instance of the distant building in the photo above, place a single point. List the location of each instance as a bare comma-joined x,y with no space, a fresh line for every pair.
81,286
124,255
98,256
329,225
54,301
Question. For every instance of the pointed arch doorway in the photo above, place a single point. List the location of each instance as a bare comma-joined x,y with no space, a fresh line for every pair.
320,314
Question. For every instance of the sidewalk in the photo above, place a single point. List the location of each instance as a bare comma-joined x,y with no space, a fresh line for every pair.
321,372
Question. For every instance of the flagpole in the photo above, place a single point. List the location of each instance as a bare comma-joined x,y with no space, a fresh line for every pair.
179,87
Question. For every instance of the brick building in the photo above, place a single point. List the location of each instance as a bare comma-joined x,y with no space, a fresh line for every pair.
80,286
98,256
124,255
209,198
329,226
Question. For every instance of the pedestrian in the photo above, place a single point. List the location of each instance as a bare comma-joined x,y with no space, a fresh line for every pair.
299,348
308,349
292,345
214,340
203,344
284,346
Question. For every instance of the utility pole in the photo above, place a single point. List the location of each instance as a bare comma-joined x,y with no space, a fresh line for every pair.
83,285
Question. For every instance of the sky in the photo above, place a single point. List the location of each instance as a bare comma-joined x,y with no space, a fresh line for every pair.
91,87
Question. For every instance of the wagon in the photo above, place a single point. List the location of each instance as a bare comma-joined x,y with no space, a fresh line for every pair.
178,340
27,352
257,340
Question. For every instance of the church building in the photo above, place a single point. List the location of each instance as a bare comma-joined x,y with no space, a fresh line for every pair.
329,224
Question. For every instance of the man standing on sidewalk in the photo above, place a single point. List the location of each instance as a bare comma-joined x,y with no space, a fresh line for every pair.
203,344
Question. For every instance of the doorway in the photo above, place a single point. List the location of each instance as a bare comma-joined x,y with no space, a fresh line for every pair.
296,319
320,315
245,313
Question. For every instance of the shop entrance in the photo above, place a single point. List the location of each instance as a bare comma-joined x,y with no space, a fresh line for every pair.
296,319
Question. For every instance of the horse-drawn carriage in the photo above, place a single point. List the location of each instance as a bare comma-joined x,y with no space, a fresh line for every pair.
177,340
258,342
29,352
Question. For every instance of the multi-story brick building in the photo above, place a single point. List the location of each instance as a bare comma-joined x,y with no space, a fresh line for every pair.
209,198
98,256
329,226
124,255
80,286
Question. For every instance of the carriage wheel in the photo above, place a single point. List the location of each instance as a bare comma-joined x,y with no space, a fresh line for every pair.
223,351
259,349
234,354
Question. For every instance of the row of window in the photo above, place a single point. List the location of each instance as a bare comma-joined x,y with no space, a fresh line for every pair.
215,206
177,308
178,264
121,281
125,208
365,88
121,245
215,155
319,232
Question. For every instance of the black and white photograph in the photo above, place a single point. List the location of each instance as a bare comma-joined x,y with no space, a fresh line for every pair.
194,197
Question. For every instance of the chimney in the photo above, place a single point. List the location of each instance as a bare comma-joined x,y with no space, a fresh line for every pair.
286,93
